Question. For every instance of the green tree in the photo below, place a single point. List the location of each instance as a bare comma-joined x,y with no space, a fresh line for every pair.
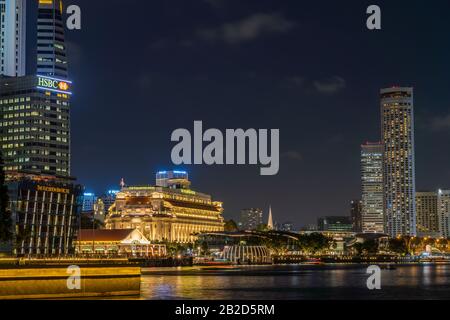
370,247
313,243
176,249
358,248
398,245
204,248
318,242
5,214
262,228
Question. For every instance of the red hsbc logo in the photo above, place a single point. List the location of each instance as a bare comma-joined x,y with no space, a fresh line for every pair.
63,86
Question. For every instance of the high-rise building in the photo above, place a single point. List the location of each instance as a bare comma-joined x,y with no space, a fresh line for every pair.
34,124
51,47
12,37
35,134
35,110
251,218
309,228
372,187
397,114
45,212
335,224
109,198
286,226
89,200
444,212
427,213
356,215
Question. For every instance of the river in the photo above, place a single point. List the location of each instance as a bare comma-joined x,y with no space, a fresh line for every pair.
294,282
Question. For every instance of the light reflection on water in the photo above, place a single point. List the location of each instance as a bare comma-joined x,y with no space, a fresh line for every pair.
296,282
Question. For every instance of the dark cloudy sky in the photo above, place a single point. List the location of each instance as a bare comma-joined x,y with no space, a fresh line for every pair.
310,68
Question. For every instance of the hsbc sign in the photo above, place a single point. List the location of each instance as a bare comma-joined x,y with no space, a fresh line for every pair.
53,84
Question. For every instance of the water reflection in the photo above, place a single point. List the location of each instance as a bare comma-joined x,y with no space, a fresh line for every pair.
296,282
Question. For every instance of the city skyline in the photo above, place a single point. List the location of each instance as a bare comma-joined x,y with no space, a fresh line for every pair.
221,150
281,80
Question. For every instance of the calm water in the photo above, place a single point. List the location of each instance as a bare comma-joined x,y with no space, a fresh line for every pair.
296,282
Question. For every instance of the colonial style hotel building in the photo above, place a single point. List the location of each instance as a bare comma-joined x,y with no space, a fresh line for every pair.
169,211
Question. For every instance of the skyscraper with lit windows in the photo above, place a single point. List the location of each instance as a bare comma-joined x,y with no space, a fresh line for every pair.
51,47
34,124
12,37
35,109
444,212
35,143
427,213
397,114
372,188
251,219
356,215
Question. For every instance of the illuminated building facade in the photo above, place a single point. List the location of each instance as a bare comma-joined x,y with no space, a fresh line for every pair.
427,213
335,224
172,212
35,109
444,212
45,212
12,37
119,242
109,198
356,215
172,179
34,124
287,226
89,200
51,47
35,136
251,218
372,188
397,114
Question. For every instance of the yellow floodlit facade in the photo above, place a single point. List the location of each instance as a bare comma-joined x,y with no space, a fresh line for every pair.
170,211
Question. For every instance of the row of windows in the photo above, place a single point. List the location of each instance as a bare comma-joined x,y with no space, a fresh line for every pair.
42,168
35,114
35,137
33,122
35,129
15,100
45,160
37,152
38,107
35,144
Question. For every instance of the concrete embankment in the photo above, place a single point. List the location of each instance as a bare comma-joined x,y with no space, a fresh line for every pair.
57,280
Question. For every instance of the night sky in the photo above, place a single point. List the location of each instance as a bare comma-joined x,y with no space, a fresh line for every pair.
142,69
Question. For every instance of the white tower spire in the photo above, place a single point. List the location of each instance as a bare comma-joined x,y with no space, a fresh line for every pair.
270,221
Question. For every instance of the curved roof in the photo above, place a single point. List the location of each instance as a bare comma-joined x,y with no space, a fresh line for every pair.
103,235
